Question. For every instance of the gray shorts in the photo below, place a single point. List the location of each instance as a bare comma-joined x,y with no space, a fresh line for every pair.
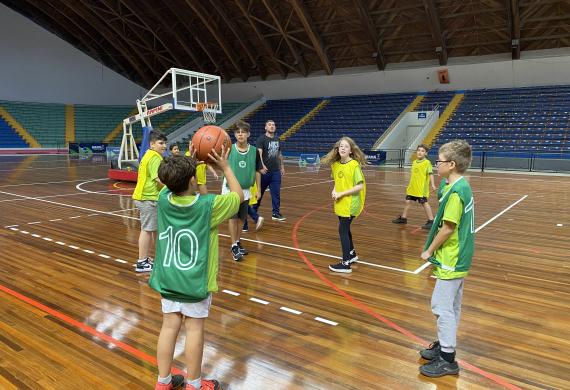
149,214
242,211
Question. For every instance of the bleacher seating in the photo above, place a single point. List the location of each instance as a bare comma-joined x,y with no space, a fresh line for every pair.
362,117
521,120
44,121
435,98
9,138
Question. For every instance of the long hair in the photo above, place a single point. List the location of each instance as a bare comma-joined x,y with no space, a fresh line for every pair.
355,152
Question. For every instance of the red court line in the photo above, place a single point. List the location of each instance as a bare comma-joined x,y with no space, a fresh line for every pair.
495,378
65,318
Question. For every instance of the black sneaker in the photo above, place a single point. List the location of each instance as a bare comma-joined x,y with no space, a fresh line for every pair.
144,266
343,266
400,220
353,257
236,253
242,250
432,351
278,217
428,224
439,367
178,382
245,227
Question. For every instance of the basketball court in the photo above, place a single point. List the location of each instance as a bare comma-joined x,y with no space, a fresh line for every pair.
75,314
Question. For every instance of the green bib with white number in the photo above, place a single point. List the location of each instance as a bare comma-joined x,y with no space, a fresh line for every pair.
180,270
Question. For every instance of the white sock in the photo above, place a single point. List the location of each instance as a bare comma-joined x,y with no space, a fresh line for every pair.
197,383
165,381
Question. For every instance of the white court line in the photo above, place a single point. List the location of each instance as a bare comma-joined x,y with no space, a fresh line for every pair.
104,256
33,223
68,205
88,251
230,292
325,321
62,167
78,187
24,232
54,220
9,226
223,235
305,185
60,243
319,254
43,183
501,213
77,216
253,299
297,312
427,263
121,261
62,195
36,235
73,247
14,229
47,239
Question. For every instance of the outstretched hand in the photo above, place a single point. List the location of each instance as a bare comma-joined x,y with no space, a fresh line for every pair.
221,160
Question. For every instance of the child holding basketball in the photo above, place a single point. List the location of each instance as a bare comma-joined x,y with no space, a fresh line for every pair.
245,162
348,194
186,265
146,195
449,247
419,186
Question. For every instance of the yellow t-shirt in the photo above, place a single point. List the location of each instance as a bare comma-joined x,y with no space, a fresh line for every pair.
419,181
345,177
448,252
147,187
200,172
253,191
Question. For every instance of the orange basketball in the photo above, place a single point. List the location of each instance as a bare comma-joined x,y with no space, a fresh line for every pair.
208,138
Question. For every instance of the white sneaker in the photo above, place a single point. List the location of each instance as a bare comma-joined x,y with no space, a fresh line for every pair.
259,223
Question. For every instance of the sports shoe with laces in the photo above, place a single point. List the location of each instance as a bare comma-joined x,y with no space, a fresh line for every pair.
432,351
353,257
242,249
144,265
259,223
278,217
428,224
439,367
236,253
343,266
400,220
207,384
176,383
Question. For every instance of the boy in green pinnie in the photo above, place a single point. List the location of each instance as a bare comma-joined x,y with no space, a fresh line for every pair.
449,247
186,263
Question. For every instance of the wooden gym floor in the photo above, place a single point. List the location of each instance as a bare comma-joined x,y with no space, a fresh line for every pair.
74,314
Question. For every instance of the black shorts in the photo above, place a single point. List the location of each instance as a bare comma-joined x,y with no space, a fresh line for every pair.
419,199
242,211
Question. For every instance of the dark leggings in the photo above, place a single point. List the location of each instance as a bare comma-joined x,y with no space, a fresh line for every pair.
345,236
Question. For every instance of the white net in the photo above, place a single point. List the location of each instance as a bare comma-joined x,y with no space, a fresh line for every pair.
208,111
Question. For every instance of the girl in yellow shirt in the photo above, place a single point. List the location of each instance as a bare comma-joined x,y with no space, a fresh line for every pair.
348,194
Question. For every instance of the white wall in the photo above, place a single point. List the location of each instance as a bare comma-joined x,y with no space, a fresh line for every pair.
547,67
37,66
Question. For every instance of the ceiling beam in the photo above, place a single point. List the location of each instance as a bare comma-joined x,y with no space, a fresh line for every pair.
244,43
214,30
515,29
266,46
373,36
302,69
175,59
314,36
435,29
176,15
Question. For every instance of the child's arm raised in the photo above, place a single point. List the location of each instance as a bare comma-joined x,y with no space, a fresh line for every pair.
222,163
444,233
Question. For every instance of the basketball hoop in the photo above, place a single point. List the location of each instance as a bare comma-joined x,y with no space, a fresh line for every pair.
208,111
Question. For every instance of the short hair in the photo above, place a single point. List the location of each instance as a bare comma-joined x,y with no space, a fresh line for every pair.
176,171
269,120
242,125
423,146
173,145
156,135
458,151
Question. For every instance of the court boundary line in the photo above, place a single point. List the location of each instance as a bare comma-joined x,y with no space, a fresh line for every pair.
427,263
367,309
223,235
